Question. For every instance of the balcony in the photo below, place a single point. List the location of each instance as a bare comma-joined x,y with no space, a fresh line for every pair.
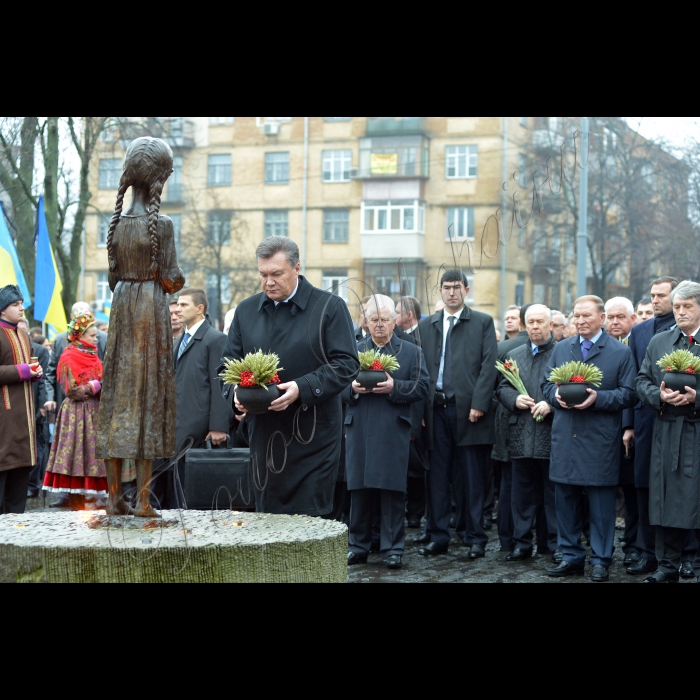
392,157
395,126
393,230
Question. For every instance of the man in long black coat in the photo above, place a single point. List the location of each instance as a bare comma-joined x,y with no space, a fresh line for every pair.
644,420
587,442
460,352
296,446
202,412
674,503
378,428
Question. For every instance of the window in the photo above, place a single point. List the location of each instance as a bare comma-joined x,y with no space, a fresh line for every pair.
522,169
221,121
220,170
336,226
174,191
277,168
104,293
213,288
219,228
399,217
103,223
460,224
336,283
462,162
110,173
276,223
336,166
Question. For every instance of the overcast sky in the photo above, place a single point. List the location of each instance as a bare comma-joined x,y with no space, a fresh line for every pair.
675,129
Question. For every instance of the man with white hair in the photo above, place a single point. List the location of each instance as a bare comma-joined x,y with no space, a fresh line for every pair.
378,428
558,325
675,458
621,319
60,344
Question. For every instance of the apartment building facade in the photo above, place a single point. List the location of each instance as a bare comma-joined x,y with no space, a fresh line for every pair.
377,204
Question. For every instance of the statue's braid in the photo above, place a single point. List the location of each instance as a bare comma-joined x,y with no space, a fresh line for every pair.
123,187
153,212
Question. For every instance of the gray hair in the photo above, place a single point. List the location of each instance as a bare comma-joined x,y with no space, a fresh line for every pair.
379,302
539,307
279,244
620,301
686,290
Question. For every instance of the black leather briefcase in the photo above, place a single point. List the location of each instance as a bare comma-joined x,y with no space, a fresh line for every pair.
222,475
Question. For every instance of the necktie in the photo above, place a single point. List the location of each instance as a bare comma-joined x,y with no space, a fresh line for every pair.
447,380
690,340
183,347
535,352
586,349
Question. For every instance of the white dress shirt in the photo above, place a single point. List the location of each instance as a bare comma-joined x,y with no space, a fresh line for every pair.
445,330
288,299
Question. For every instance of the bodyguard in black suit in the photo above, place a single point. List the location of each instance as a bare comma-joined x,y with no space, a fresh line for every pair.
202,412
460,352
587,442
378,428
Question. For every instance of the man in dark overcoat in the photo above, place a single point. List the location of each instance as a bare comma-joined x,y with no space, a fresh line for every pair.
674,503
587,442
644,421
530,441
461,353
295,447
202,412
378,428
501,459
18,447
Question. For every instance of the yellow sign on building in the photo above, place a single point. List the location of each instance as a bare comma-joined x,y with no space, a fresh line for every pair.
385,164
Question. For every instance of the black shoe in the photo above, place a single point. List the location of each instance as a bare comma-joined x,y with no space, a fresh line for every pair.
62,502
643,567
558,557
423,539
565,569
632,558
660,577
477,552
453,523
687,570
433,550
357,559
600,574
394,563
31,495
414,524
375,548
488,525
519,555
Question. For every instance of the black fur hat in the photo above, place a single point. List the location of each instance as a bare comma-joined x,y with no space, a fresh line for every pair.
9,295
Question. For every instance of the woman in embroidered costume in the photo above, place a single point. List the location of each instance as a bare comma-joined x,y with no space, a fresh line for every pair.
73,469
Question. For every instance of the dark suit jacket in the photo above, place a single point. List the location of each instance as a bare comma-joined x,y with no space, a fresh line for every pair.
474,356
507,346
587,445
643,417
59,346
201,408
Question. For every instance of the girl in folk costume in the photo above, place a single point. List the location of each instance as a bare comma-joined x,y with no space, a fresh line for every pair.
18,448
73,469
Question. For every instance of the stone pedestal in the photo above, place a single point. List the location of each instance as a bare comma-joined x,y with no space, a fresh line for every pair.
225,547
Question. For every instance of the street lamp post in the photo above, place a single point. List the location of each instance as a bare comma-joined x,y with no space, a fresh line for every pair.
583,212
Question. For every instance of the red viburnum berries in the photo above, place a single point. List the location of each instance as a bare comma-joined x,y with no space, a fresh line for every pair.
377,366
276,379
690,370
247,380
578,380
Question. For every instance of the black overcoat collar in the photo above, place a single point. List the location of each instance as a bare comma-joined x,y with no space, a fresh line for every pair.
466,315
300,299
201,332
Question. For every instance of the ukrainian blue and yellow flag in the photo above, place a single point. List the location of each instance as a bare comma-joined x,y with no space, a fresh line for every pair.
48,305
10,269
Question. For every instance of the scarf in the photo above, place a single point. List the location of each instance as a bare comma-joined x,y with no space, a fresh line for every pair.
80,365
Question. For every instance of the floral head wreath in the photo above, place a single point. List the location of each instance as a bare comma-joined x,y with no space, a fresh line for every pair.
78,325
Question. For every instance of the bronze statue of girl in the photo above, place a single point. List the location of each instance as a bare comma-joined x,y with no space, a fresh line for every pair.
137,414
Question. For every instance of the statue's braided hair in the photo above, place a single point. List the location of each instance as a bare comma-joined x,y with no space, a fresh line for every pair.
148,164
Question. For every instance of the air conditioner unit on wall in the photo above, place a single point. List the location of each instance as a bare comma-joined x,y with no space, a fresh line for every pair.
355,174
271,129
